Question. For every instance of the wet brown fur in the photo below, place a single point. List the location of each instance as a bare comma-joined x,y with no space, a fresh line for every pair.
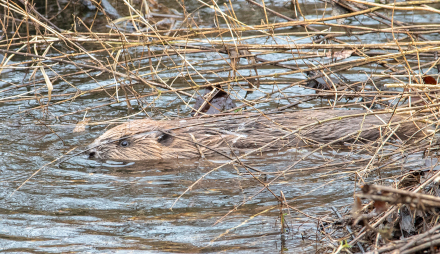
163,140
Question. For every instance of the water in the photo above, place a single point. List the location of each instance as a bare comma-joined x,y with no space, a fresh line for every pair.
84,205
89,206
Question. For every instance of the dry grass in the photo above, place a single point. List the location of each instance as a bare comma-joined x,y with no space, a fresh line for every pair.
149,55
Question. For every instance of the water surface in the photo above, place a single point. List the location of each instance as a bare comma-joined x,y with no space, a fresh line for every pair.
84,205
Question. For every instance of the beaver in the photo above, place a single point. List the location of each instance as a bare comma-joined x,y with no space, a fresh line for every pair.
148,139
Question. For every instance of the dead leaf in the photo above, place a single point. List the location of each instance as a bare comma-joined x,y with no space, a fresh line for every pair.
429,80
380,206
406,221
48,84
340,54
81,125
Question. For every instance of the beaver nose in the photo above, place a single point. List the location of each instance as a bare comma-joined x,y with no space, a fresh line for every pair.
92,153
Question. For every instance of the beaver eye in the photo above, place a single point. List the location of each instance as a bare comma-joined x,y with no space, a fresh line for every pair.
124,143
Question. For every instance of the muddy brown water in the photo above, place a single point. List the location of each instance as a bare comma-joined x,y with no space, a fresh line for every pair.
93,206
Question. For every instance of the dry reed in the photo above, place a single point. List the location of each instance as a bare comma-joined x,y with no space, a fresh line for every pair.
146,55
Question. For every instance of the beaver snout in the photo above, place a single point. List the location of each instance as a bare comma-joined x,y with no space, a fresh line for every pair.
92,153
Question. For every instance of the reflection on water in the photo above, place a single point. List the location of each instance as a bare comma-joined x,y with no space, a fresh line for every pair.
87,205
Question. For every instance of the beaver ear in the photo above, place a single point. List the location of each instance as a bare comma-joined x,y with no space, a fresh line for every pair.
165,139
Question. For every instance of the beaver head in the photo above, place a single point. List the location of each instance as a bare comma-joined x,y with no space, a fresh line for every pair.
136,140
